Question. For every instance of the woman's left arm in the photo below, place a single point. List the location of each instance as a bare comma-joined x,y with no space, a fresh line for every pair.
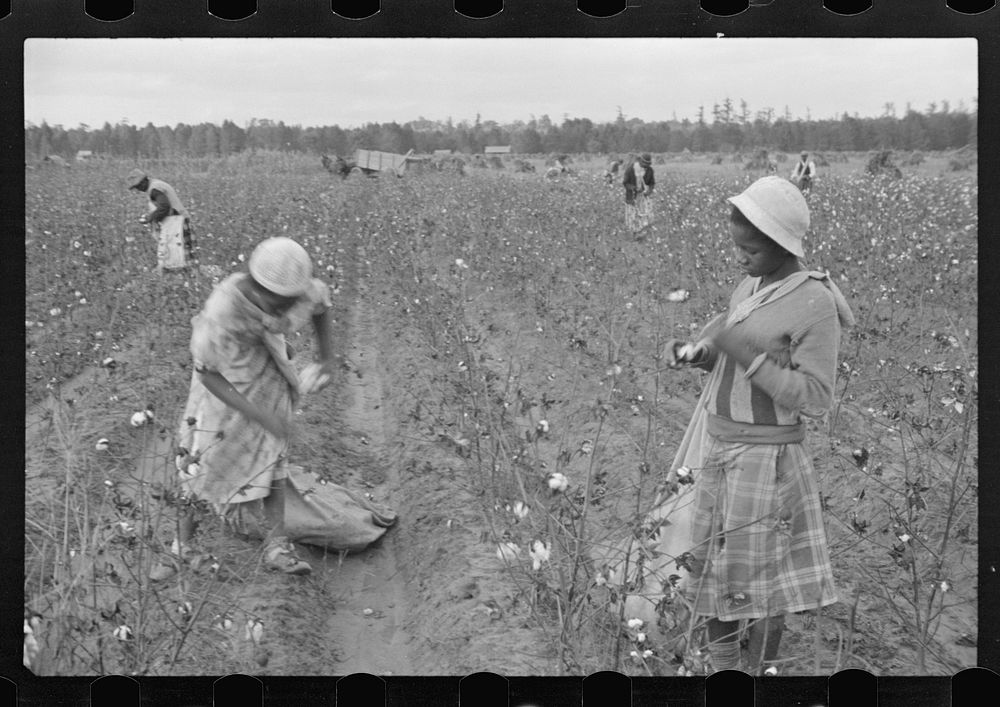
807,383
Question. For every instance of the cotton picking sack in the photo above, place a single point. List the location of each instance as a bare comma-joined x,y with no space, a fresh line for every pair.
331,516
325,515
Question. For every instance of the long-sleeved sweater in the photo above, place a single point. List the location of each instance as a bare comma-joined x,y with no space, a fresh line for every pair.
798,335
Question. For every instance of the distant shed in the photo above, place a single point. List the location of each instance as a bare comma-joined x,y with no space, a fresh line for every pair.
497,150
442,153
84,155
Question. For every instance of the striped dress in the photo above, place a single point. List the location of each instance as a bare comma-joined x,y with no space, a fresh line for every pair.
759,544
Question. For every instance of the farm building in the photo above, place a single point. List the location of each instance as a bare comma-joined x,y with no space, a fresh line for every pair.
497,150
442,153
83,155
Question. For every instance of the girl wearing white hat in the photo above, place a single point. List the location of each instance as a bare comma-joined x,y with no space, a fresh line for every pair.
235,428
759,544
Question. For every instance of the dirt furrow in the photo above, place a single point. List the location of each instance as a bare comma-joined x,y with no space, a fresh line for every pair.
367,625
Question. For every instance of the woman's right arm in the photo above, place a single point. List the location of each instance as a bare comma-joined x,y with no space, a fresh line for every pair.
220,387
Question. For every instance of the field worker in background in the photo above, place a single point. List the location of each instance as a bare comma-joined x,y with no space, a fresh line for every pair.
759,545
612,171
638,180
169,220
803,172
238,418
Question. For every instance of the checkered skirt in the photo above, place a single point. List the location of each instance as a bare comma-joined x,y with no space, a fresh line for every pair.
759,542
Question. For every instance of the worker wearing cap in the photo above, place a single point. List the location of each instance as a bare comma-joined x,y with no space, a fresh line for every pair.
804,172
759,548
170,221
235,428
639,180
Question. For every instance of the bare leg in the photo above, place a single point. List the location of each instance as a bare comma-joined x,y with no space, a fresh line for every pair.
279,553
186,526
765,637
724,644
274,509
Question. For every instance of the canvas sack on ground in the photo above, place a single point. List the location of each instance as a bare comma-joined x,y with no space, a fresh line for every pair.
325,515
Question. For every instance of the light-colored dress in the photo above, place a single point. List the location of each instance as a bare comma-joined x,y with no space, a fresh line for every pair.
226,458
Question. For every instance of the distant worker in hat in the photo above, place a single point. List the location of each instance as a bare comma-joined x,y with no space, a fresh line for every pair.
804,172
638,180
758,544
168,219
236,425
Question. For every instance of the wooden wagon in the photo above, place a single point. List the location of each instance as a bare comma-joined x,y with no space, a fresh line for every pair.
372,162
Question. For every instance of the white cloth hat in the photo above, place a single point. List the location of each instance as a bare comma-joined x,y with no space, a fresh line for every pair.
776,206
282,266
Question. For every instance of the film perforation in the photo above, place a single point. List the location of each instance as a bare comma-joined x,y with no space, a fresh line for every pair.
971,7
725,8
109,10
115,690
848,7
479,9
853,686
356,9
607,687
602,9
238,690
483,689
361,688
232,10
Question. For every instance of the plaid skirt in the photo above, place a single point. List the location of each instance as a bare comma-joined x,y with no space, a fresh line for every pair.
759,542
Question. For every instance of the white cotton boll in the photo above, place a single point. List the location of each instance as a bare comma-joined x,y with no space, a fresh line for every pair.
557,481
102,445
539,552
192,470
30,645
122,633
138,419
508,551
254,630
640,637
647,654
521,510
678,295
635,623
312,378
542,427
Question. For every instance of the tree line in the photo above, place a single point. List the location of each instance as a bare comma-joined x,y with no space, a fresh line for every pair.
729,128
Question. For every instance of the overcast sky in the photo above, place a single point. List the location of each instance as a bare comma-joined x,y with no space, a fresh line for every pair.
349,82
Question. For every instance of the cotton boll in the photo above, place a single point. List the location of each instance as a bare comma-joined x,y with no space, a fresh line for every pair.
557,481
508,551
